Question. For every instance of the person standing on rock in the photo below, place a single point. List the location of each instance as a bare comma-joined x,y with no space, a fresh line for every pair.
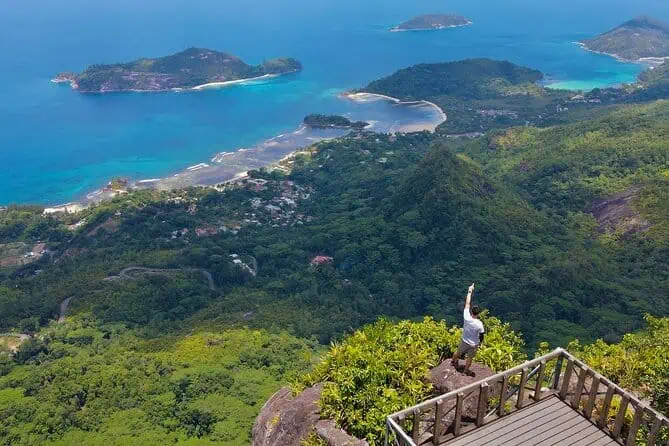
472,334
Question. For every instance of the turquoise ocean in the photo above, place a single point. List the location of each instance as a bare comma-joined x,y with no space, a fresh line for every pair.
56,144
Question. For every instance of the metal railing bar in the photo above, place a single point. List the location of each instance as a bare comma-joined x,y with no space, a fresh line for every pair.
399,431
514,391
513,371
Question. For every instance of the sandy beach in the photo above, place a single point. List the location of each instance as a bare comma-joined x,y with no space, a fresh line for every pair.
374,96
238,81
74,86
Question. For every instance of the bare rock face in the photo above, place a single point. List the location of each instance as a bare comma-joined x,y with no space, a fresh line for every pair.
616,214
445,378
333,436
286,420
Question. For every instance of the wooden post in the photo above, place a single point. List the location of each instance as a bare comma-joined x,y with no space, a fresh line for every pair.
604,415
439,412
483,404
502,396
620,418
639,410
458,414
540,381
521,389
654,430
557,372
566,379
592,397
576,397
415,432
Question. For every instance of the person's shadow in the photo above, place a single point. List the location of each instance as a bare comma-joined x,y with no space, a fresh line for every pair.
461,369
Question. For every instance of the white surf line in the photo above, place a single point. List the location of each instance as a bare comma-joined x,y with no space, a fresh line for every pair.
364,95
238,81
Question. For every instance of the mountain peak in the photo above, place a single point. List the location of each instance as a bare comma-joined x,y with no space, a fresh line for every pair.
646,22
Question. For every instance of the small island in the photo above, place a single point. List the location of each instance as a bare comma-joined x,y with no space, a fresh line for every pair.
428,22
333,122
193,68
639,39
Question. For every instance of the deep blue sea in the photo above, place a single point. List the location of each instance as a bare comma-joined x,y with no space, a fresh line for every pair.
56,144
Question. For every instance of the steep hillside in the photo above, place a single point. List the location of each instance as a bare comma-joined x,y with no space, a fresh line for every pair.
638,38
568,168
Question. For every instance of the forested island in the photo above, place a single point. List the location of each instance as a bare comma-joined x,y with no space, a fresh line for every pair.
333,122
427,22
640,38
188,69
189,308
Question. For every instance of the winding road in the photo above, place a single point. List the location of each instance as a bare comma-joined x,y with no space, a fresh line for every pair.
126,273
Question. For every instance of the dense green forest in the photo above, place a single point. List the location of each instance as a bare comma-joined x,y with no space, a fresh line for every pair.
159,314
83,382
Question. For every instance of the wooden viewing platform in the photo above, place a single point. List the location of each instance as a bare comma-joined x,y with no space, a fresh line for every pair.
553,400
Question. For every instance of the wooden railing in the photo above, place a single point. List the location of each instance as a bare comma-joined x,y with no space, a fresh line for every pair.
614,410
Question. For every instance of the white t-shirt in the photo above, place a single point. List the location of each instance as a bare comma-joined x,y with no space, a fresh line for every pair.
472,329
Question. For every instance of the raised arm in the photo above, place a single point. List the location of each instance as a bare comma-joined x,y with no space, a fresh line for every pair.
468,301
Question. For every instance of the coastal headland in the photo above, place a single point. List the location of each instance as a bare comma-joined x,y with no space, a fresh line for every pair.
643,40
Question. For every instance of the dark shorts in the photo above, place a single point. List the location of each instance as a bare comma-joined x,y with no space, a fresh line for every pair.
467,351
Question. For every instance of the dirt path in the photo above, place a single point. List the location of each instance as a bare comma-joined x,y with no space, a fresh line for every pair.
126,273
63,309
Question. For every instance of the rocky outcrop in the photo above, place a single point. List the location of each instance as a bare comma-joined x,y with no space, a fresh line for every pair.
617,215
445,378
334,436
286,420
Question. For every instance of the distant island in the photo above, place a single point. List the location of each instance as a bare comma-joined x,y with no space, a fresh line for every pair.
333,122
193,68
427,22
635,40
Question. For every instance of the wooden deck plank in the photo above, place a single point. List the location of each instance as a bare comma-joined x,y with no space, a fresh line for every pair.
592,437
564,430
605,442
502,426
539,433
551,422
514,422
581,430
